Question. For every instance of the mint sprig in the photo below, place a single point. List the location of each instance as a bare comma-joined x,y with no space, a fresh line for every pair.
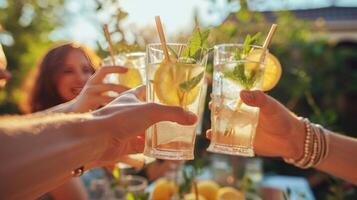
249,40
172,52
197,44
192,83
239,74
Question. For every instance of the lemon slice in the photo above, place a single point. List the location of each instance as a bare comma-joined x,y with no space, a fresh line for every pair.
192,196
167,80
163,189
272,68
229,193
132,78
208,189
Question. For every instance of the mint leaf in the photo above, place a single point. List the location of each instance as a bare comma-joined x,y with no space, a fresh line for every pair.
196,44
238,75
255,38
190,84
246,79
249,40
173,53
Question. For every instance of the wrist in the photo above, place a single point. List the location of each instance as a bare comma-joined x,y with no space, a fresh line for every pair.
296,143
98,140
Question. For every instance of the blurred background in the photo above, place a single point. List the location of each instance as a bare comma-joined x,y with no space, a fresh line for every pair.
316,43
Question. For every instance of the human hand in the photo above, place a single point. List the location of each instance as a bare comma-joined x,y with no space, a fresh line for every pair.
125,120
279,131
94,93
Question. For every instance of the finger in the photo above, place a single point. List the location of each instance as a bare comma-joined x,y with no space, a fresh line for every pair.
209,134
105,87
210,105
104,100
133,95
140,92
170,113
267,104
103,71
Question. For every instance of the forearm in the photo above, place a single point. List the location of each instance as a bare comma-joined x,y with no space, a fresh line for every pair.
341,160
39,155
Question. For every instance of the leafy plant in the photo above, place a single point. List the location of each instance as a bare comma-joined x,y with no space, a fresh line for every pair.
197,45
193,169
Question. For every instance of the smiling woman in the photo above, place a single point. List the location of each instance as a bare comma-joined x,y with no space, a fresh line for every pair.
60,76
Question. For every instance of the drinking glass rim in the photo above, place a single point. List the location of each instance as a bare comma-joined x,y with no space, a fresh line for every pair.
168,44
143,182
150,47
135,53
217,46
129,54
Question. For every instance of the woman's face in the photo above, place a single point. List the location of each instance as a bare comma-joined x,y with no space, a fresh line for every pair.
73,75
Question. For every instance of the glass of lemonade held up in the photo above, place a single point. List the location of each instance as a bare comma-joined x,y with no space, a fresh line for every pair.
238,67
135,76
174,82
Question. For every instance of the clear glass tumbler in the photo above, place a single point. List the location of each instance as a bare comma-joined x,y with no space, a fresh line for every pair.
234,123
177,82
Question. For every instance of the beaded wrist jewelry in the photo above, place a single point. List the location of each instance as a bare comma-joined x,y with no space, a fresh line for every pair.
315,146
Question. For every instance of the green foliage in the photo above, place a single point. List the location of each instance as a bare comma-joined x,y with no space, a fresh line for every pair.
189,173
197,45
27,25
118,32
319,79
249,40
192,83
141,196
239,74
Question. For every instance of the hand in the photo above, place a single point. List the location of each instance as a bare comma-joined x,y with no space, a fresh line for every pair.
125,120
279,132
93,95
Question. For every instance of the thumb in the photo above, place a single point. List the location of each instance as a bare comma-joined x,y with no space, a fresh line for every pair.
257,98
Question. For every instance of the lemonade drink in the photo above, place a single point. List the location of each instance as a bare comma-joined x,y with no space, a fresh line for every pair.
135,76
175,83
233,122
239,67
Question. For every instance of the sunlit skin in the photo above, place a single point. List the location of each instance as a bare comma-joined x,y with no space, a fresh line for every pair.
66,141
281,134
73,75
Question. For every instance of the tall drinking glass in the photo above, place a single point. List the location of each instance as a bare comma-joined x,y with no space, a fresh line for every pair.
234,123
135,76
177,82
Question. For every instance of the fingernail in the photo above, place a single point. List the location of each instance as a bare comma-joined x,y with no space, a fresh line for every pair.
125,69
247,95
